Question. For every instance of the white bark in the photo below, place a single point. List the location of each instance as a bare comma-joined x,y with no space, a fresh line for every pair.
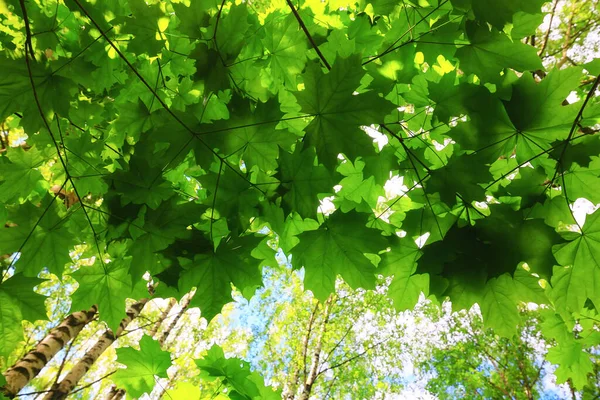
36,359
184,306
163,316
314,367
64,387
115,393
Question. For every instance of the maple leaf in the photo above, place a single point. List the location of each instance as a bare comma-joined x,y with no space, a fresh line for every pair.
401,262
21,174
338,248
573,363
188,129
490,52
286,48
107,285
302,181
581,277
18,302
236,373
212,274
142,366
338,113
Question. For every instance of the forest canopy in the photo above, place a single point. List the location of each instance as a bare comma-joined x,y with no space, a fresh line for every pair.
159,157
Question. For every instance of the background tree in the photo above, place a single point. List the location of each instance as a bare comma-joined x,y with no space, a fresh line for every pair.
470,361
348,345
569,33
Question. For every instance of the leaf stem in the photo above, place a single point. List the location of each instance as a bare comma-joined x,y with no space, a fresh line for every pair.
308,35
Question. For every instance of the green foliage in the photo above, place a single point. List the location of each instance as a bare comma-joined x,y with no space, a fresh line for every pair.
236,375
477,362
142,366
164,137
18,302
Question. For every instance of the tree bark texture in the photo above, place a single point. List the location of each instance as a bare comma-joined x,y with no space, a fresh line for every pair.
64,387
167,386
184,306
163,316
115,393
120,394
290,391
314,367
30,365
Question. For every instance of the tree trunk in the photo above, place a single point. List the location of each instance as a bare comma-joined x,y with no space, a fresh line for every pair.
314,367
64,387
566,43
572,389
120,394
115,393
184,305
111,393
163,316
32,363
167,386
290,391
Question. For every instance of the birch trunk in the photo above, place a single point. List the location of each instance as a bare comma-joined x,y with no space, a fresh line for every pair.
64,387
167,386
184,305
36,359
314,367
290,391
163,316
120,394
115,393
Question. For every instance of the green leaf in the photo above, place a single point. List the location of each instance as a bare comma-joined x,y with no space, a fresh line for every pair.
134,119
536,108
302,181
11,331
236,374
581,276
252,137
568,292
143,366
18,302
21,174
233,197
573,363
286,48
202,139
528,287
498,13
193,18
155,230
212,274
401,262
14,80
338,247
41,235
458,179
490,52
142,184
498,308
20,289
583,182
144,24
338,113
106,285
